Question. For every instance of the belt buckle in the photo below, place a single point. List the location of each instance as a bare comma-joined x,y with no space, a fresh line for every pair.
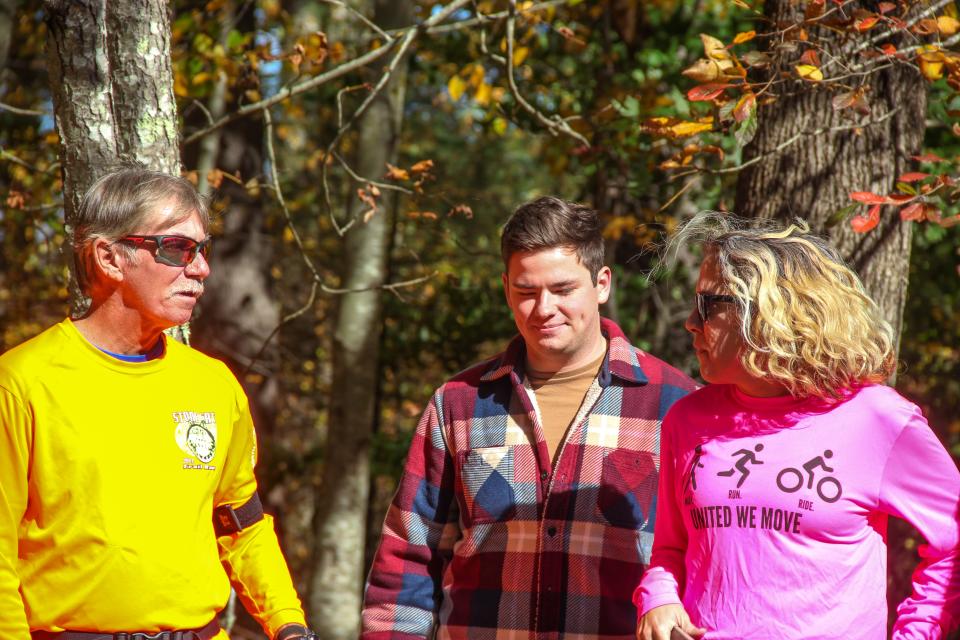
159,635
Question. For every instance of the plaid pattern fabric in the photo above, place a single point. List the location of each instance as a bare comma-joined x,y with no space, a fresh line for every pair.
485,541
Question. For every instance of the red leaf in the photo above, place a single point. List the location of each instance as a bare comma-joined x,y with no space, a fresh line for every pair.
928,157
889,49
912,212
810,56
862,224
706,92
866,24
915,176
900,198
868,198
886,7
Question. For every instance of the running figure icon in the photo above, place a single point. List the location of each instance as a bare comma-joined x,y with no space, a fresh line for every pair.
745,457
694,464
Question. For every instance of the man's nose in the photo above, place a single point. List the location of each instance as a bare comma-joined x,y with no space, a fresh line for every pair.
199,268
546,304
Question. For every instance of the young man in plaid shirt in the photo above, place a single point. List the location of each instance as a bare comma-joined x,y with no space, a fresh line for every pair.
526,506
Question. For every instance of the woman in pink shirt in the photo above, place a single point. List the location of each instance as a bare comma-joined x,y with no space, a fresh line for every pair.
776,479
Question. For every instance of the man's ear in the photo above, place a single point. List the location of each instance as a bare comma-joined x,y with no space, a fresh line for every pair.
604,281
107,260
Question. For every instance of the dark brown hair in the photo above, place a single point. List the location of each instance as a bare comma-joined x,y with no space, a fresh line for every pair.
548,223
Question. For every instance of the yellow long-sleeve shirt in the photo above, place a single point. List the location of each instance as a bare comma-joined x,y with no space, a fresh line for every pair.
109,474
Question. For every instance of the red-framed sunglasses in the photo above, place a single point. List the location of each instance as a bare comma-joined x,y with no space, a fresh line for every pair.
175,251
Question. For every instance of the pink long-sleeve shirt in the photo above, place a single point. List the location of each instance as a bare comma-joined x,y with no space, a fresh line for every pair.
772,514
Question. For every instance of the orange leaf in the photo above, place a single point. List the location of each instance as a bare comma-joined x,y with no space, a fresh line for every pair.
886,7
888,49
868,198
706,92
396,173
862,224
900,198
744,36
912,212
811,57
915,176
422,167
866,24
928,157
745,106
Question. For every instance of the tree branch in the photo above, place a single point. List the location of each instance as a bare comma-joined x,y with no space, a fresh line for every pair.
555,125
21,112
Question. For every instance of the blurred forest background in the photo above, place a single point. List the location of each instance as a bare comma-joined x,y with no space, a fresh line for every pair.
362,155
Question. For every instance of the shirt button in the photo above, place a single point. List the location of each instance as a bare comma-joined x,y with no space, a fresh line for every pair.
551,531
544,475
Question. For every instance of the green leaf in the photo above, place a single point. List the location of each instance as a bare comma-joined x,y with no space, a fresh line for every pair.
747,129
903,187
840,215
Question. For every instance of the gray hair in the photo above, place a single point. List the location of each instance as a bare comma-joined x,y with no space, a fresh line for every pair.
120,202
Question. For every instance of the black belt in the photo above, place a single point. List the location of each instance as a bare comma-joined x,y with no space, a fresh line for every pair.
205,632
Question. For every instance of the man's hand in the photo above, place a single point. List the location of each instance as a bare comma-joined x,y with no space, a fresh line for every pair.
657,623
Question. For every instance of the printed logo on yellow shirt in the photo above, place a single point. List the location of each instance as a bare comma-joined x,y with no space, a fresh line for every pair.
196,436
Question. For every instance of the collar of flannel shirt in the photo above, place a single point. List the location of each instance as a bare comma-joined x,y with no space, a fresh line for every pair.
622,359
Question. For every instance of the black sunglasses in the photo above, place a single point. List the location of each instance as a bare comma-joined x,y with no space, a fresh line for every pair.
175,251
706,302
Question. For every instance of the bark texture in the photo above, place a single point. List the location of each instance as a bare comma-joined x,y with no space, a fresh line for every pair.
112,87
813,177
337,584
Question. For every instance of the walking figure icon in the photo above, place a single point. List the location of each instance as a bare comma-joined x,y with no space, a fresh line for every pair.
791,479
745,457
692,478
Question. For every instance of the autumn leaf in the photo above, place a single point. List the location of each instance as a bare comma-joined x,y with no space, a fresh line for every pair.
396,173
888,49
925,27
757,59
368,215
810,57
809,72
867,23
455,87
16,199
703,71
673,128
745,106
867,197
744,36
422,167
215,178
886,7
947,25
912,212
862,224
706,92
928,157
931,63
915,176
461,210
714,48
852,99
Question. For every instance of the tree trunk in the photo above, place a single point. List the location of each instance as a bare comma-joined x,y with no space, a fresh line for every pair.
813,177
337,585
112,88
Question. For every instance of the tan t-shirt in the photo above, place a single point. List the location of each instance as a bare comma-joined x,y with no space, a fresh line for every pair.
559,396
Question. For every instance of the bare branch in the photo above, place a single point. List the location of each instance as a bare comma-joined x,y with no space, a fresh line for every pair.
337,3
21,112
555,125
491,17
929,11
783,145
6,155
275,183
382,185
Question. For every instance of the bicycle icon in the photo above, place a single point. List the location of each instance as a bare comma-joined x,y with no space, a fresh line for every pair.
795,478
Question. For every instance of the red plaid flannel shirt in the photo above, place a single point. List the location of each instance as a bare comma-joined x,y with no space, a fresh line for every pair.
484,539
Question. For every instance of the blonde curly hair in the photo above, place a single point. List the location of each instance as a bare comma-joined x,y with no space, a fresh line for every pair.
804,315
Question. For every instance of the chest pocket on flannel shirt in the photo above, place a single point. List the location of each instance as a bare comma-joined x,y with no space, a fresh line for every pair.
488,483
628,489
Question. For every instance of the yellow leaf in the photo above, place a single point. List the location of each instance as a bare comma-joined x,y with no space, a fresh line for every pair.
714,48
948,25
200,78
931,63
499,126
455,87
477,75
482,96
703,71
809,72
745,36
519,55
684,129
